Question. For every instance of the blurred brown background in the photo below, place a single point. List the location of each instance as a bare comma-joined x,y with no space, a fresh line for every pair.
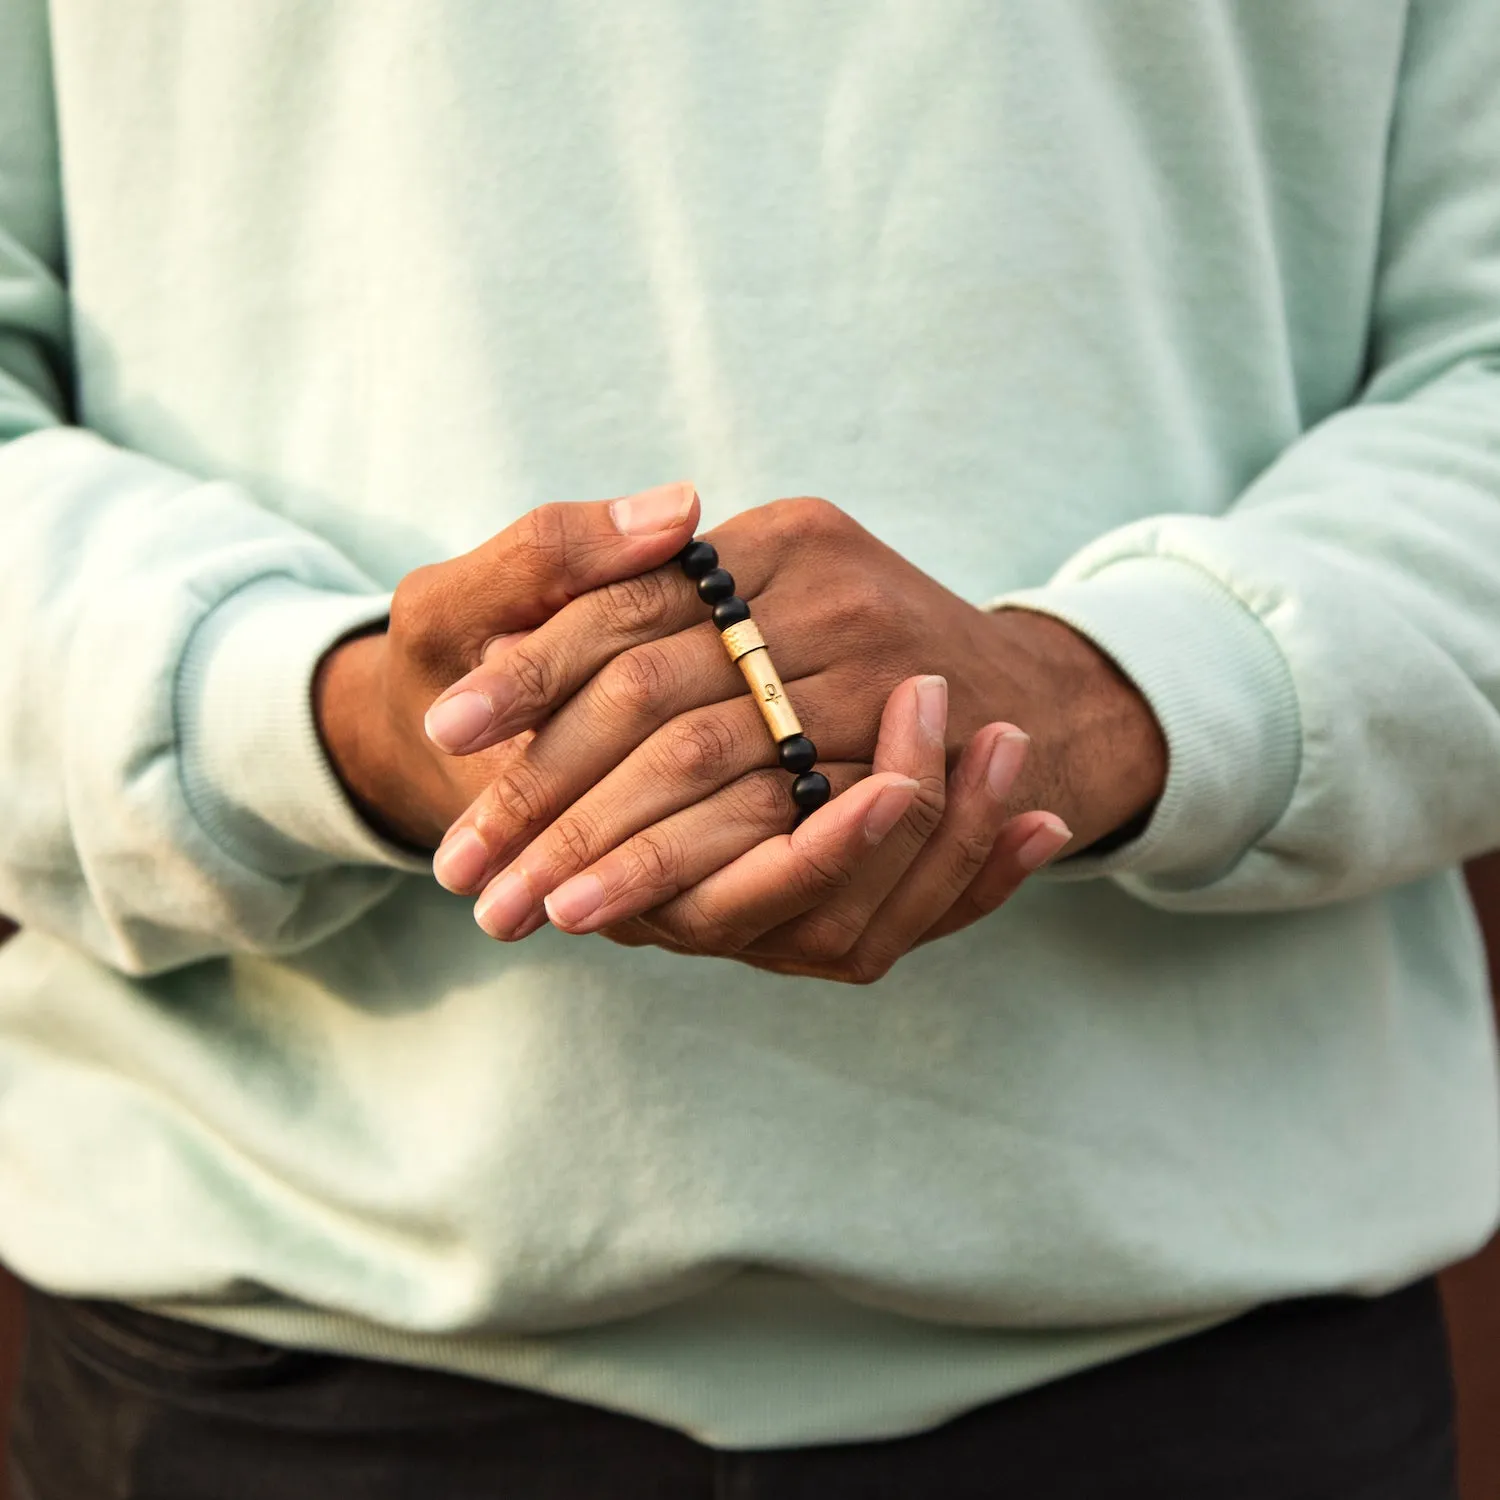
1471,1291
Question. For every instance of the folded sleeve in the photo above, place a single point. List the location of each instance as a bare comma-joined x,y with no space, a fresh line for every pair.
162,789
1325,657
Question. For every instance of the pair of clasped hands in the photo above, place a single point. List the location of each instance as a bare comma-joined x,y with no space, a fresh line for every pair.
556,713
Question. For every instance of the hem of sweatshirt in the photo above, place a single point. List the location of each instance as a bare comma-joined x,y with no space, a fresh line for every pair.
764,1361
254,769
1224,695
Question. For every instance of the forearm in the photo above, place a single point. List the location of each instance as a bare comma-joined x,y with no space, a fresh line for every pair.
1331,691
161,716
1325,655
163,794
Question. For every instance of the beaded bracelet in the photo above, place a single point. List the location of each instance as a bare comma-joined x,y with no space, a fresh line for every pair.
747,649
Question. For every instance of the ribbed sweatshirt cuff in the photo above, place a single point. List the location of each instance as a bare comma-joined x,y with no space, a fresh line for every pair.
1223,694
253,767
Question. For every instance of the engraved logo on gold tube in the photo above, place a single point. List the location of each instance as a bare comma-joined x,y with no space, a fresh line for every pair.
747,649
770,692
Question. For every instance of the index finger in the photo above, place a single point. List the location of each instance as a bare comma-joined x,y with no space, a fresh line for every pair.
528,572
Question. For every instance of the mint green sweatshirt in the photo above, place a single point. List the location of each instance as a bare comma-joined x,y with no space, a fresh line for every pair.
1178,321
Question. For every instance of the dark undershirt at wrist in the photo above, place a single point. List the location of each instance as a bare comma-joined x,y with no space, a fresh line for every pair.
1126,833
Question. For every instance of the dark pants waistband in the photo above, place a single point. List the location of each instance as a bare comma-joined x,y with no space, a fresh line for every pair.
1326,1398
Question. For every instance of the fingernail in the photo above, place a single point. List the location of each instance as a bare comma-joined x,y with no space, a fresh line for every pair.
1007,756
460,860
1044,845
575,900
459,720
506,903
654,510
888,809
932,706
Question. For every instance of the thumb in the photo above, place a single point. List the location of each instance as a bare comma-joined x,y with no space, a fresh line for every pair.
444,614
557,552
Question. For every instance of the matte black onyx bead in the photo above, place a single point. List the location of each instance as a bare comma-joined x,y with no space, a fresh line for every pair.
811,790
797,753
730,611
715,586
698,558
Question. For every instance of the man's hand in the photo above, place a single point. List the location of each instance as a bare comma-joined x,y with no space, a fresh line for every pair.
885,867
373,692
639,715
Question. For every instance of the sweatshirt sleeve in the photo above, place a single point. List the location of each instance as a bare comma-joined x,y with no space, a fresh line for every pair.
1325,657
163,793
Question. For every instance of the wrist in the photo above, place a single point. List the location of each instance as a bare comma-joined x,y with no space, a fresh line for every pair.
383,771
1099,756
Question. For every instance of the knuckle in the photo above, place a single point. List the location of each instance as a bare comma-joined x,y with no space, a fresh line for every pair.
655,862
697,928
541,538
971,847
829,937
534,675
866,968
638,682
572,838
517,796
872,596
761,801
408,602
635,604
927,806
418,621
701,749
825,872
806,517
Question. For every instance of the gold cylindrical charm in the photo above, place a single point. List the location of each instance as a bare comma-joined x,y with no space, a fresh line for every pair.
742,638
770,692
